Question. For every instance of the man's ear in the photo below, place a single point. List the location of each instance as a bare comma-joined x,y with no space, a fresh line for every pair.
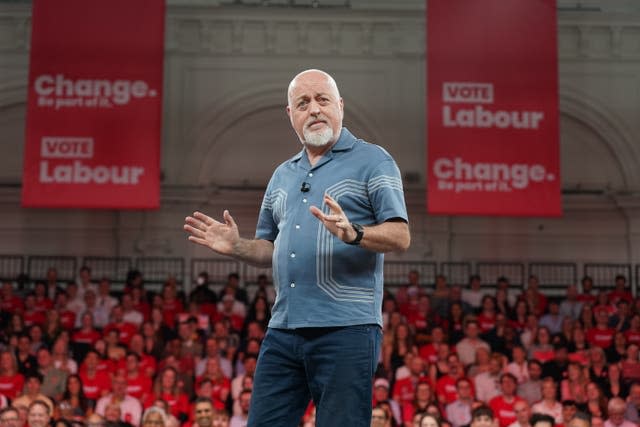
288,110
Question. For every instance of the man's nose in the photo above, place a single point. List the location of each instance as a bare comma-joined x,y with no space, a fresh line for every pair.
314,107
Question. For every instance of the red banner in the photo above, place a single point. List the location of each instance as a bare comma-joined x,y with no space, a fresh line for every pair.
493,136
94,104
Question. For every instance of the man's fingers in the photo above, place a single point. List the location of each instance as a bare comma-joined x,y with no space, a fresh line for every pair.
194,231
198,240
332,204
207,220
228,219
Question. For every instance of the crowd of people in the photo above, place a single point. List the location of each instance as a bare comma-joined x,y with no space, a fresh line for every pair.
80,354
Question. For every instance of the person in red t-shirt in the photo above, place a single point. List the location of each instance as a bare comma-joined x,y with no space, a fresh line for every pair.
125,329
503,405
220,385
87,334
138,384
536,301
42,303
148,363
446,390
171,305
31,314
601,335
633,333
404,389
166,388
620,292
423,397
587,287
67,317
8,302
429,352
95,383
11,382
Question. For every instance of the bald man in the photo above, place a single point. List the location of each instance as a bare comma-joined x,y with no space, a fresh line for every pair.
328,215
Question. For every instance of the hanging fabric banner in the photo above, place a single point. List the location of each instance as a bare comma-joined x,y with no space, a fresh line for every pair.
94,104
492,108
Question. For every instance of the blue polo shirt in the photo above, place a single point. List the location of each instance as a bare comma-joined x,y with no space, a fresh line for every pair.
320,280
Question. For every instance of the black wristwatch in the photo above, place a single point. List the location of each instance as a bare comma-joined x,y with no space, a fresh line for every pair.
359,234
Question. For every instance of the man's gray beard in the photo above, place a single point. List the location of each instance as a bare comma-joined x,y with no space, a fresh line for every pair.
318,139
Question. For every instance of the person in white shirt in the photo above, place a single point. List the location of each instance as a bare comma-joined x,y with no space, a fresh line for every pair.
487,384
523,413
473,295
241,419
130,407
103,297
458,412
466,348
549,405
519,367
616,409
130,314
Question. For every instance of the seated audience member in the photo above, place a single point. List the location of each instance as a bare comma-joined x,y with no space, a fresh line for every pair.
130,407
74,403
458,412
168,389
523,413
481,364
556,368
420,402
53,379
95,383
580,419
502,405
616,386
596,404
569,410
549,405
631,365
240,420
429,352
379,418
574,386
541,420
404,388
9,417
39,414
487,383
621,292
616,411
541,347
632,412
482,416
587,287
467,347
446,385
598,369
430,420
553,319
381,394
570,306
11,381
473,294
601,335
633,333
519,366
32,393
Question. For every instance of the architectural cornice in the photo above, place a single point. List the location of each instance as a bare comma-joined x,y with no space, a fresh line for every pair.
365,28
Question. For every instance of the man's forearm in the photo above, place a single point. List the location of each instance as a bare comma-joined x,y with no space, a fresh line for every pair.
256,252
390,236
